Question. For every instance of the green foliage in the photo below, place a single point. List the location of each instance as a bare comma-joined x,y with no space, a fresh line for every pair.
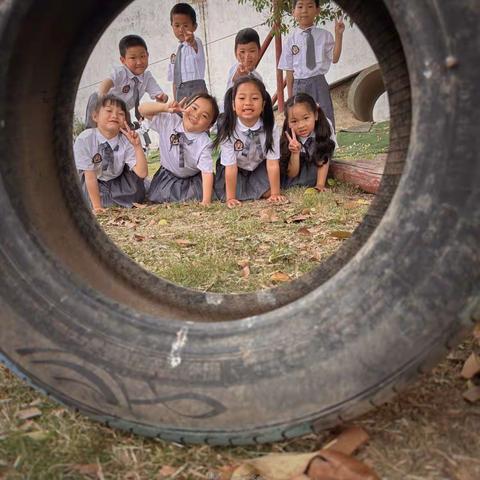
329,11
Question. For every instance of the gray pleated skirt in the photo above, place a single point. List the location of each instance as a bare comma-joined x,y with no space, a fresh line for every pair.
307,177
318,88
123,191
250,185
168,188
187,89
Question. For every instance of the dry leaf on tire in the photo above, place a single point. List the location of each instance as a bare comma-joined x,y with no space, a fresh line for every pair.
279,277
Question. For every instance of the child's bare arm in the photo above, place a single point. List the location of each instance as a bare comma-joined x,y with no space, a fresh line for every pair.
273,172
289,77
93,190
322,173
141,167
339,29
295,147
231,172
149,109
105,87
190,39
207,188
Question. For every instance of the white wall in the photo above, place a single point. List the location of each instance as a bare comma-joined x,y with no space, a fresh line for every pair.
218,22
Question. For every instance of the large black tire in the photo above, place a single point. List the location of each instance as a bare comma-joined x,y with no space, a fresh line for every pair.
83,323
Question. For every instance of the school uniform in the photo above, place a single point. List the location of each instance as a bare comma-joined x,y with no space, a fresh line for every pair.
310,66
307,176
183,158
112,161
187,70
128,87
246,149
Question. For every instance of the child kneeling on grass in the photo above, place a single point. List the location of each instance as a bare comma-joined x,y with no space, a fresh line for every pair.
110,159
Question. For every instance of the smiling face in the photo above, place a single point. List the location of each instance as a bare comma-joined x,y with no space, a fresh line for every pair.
182,23
301,119
305,12
198,116
109,118
248,103
248,54
136,59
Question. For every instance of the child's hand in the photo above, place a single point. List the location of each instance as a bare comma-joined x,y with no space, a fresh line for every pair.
233,202
177,107
132,135
189,37
162,98
320,188
97,210
205,203
277,199
293,144
339,25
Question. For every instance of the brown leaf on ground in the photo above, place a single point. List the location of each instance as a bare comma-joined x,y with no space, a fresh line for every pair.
165,472
139,205
89,469
269,216
349,441
472,395
342,235
184,243
224,473
279,277
28,413
245,266
138,238
332,465
304,231
297,218
471,366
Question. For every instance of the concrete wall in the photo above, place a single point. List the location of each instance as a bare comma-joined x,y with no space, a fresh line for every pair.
218,20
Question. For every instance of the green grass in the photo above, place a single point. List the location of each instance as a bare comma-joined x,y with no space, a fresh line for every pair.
363,145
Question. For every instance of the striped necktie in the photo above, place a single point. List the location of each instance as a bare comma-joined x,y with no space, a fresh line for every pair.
136,97
177,68
253,137
106,152
310,57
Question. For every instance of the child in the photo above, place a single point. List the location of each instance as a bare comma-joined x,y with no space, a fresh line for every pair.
308,53
305,153
186,171
249,146
247,53
130,81
187,66
112,166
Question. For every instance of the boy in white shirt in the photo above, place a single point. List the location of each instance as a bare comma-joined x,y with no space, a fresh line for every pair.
187,65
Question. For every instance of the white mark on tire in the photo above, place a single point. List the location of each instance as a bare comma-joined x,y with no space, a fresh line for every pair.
175,359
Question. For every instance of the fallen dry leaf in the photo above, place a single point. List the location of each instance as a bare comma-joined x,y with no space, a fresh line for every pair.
139,205
184,243
342,235
28,413
245,266
269,216
88,469
349,441
279,277
297,218
163,222
472,395
304,231
471,366
151,223
362,201
138,238
165,472
332,465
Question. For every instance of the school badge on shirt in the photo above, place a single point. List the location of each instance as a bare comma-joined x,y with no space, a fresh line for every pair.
126,89
174,139
173,56
295,49
238,146
97,158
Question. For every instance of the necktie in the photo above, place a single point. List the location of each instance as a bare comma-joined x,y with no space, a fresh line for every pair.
136,97
177,68
311,60
182,141
106,151
253,137
307,147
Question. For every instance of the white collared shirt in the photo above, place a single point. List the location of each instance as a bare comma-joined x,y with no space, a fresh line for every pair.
192,64
231,149
86,152
123,85
197,155
294,53
232,71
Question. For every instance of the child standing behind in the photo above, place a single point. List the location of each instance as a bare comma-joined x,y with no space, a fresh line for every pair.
187,65
249,146
130,81
308,148
308,53
186,171
110,158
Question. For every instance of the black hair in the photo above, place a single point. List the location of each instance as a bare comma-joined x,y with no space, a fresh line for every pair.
229,122
211,99
131,41
294,3
110,99
183,9
324,145
247,35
